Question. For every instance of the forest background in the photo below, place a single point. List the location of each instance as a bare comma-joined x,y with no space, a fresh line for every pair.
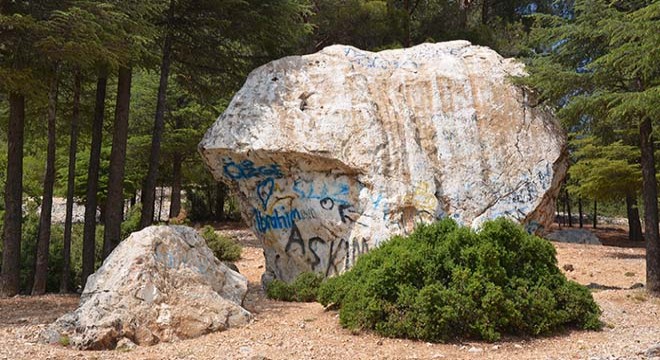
104,102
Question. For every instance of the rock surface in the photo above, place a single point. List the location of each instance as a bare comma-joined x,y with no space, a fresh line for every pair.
161,284
334,152
574,236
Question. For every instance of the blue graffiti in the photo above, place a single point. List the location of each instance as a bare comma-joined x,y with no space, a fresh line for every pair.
265,191
246,170
306,190
281,219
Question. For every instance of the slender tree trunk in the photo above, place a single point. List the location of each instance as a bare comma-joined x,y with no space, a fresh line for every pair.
595,213
220,201
650,195
406,24
558,213
160,203
580,211
211,203
565,211
484,12
568,208
149,186
43,242
71,181
134,198
175,197
11,251
91,204
634,224
115,199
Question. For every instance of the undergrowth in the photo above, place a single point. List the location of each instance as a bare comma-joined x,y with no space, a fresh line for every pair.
445,281
303,289
223,248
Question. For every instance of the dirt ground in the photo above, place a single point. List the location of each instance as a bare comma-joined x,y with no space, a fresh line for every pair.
283,330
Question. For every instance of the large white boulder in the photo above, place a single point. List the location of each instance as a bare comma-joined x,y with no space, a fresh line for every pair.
332,153
160,284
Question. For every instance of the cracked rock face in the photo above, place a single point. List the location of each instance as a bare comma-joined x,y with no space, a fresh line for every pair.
334,152
161,284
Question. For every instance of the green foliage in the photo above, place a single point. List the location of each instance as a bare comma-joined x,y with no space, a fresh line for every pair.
223,248
303,289
600,68
445,281
131,223
55,260
604,172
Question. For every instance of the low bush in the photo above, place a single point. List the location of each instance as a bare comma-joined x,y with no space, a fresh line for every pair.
445,281
303,289
223,248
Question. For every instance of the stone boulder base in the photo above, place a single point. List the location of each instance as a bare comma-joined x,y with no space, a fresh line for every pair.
160,284
574,236
334,152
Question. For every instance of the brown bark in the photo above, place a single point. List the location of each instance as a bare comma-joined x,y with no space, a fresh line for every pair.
568,209
221,196
71,181
175,199
115,199
43,240
634,224
595,213
650,196
149,186
12,226
91,203
581,216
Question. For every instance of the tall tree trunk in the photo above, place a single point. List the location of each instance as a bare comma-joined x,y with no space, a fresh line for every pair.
149,186
91,203
160,203
595,213
565,209
634,224
175,197
580,211
43,241
568,208
558,212
71,181
220,201
115,200
406,24
11,251
484,12
650,195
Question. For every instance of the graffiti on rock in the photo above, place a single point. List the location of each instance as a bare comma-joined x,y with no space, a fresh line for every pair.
337,192
282,219
265,191
247,170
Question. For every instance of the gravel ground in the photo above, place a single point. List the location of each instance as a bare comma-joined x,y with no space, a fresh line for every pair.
283,330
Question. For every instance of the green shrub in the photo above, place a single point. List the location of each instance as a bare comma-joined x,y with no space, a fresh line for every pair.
303,289
223,248
445,281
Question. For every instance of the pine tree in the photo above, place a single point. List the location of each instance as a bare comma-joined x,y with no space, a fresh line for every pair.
600,69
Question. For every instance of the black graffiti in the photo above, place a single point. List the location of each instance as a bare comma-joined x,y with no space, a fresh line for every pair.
327,203
295,238
344,210
333,256
313,250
